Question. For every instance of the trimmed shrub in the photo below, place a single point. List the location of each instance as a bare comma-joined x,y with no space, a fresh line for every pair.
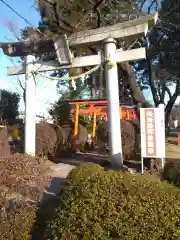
128,134
4,145
78,174
22,181
171,172
24,175
16,224
100,204
46,139
81,140
66,130
59,145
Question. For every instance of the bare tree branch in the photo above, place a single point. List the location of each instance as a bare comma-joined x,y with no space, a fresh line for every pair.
168,92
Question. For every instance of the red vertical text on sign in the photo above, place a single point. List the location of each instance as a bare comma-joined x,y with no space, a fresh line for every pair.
150,132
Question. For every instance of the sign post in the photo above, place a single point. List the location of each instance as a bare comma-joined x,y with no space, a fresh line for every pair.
152,134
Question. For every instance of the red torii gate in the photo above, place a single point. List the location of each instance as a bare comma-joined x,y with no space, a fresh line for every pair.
97,108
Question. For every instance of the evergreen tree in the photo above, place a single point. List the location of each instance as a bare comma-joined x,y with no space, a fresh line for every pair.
9,104
164,53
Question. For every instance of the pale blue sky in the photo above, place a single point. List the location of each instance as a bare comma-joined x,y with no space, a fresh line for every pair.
46,89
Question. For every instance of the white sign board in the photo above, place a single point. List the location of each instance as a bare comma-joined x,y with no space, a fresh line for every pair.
152,132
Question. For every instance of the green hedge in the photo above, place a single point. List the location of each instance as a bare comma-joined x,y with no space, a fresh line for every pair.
171,172
100,204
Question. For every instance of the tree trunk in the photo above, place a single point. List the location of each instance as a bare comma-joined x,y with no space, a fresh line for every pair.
137,94
138,97
101,75
93,91
151,83
24,96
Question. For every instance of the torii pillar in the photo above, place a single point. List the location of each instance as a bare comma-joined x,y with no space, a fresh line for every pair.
112,86
30,108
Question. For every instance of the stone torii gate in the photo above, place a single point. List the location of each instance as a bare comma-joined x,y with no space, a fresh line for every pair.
110,56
